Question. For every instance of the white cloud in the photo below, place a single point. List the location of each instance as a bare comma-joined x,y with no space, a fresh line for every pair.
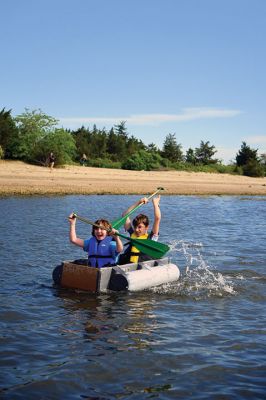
259,139
187,114
226,154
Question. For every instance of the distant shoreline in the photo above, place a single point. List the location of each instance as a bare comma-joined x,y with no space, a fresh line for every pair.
18,179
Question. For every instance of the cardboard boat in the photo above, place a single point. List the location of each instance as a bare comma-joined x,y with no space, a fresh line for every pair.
133,277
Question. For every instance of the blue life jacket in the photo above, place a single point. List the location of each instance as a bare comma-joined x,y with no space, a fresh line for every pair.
100,252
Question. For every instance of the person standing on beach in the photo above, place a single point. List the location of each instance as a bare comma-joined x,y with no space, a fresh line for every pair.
51,161
83,159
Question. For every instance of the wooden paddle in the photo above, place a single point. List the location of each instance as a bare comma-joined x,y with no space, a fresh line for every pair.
146,246
121,221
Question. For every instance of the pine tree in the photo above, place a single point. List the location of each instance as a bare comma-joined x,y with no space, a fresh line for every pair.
204,153
8,131
171,150
246,154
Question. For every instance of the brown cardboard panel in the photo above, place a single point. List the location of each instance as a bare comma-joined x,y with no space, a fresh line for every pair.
79,277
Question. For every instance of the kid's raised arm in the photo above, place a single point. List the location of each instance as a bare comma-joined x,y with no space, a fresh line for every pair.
127,224
157,215
72,232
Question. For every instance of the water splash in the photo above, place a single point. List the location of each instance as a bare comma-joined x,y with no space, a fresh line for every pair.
191,252
199,280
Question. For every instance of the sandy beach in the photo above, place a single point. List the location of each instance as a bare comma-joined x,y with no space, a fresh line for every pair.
18,178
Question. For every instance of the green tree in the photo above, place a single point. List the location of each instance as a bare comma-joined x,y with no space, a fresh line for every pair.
133,145
112,145
117,142
121,129
61,143
245,155
143,160
253,168
32,126
190,156
171,150
152,148
82,140
98,144
204,153
8,131
248,160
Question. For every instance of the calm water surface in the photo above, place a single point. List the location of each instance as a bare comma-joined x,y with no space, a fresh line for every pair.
200,338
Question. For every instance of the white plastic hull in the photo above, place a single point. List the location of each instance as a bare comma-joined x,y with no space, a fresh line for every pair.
150,277
132,277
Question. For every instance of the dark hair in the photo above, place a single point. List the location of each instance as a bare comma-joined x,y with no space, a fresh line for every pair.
102,222
140,219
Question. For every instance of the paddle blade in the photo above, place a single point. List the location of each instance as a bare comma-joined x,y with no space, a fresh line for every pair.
150,247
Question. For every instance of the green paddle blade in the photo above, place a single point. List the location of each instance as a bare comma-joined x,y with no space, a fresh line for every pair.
150,247
147,246
121,221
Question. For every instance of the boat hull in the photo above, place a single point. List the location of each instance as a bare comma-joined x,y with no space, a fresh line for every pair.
133,277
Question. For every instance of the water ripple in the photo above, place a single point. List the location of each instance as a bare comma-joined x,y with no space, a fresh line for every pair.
202,337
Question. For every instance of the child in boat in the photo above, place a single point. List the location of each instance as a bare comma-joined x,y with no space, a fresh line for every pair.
103,247
139,230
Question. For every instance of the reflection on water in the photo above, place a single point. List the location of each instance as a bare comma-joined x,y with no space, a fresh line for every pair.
102,318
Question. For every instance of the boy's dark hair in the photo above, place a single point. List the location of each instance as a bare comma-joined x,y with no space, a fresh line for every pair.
102,222
141,219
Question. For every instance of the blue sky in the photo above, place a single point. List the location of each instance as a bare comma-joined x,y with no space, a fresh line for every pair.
196,68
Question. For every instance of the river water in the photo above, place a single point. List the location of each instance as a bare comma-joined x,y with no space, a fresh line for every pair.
202,337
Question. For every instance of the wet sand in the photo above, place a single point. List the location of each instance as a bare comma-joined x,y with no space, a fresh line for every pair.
18,178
